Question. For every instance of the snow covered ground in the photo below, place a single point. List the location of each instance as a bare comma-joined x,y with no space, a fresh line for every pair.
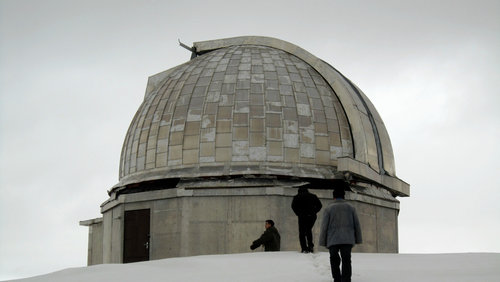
290,266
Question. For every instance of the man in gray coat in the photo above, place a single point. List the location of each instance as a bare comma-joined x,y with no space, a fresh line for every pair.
340,230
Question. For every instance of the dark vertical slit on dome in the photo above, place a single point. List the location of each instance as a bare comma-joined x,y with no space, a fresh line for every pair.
380,157
350,128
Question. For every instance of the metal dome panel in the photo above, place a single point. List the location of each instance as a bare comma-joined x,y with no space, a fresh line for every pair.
253,106
242,109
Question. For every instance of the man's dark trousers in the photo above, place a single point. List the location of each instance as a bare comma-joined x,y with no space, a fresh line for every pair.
306,223
345,253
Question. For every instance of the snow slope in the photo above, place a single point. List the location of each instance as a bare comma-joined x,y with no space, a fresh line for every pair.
290,266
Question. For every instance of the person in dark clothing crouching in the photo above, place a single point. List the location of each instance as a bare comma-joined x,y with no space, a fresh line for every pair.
270,239
306,205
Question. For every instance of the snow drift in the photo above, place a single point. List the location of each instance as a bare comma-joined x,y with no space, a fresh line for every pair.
290,266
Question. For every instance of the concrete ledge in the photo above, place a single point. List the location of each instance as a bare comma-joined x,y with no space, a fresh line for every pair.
266,168
368,195
394,184
89,222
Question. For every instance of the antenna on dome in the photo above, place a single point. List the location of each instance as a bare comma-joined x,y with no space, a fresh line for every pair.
192,49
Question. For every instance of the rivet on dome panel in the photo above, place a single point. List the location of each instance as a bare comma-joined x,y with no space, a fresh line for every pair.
238,110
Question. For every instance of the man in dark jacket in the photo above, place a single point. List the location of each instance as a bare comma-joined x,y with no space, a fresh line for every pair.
306,205
340,230
270,239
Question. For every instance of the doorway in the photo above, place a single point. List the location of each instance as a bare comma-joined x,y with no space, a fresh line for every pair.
136,236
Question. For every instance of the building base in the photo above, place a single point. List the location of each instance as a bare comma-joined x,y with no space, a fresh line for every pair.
223,217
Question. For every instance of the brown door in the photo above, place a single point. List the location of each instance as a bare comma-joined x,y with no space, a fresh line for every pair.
136,236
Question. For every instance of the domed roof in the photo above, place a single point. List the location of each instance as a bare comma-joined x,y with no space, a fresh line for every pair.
252,105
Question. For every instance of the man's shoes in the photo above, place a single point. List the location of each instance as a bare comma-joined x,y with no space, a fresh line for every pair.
308,250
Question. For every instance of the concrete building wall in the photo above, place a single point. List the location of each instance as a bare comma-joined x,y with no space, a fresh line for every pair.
379,227
113,235
95,241
95,244
221,221
106,240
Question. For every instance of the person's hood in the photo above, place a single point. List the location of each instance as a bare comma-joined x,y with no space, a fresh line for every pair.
303,190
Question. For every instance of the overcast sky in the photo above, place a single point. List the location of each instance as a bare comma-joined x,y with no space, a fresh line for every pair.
73,74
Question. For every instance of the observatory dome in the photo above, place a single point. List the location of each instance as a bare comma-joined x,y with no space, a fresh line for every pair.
254,106
224,141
